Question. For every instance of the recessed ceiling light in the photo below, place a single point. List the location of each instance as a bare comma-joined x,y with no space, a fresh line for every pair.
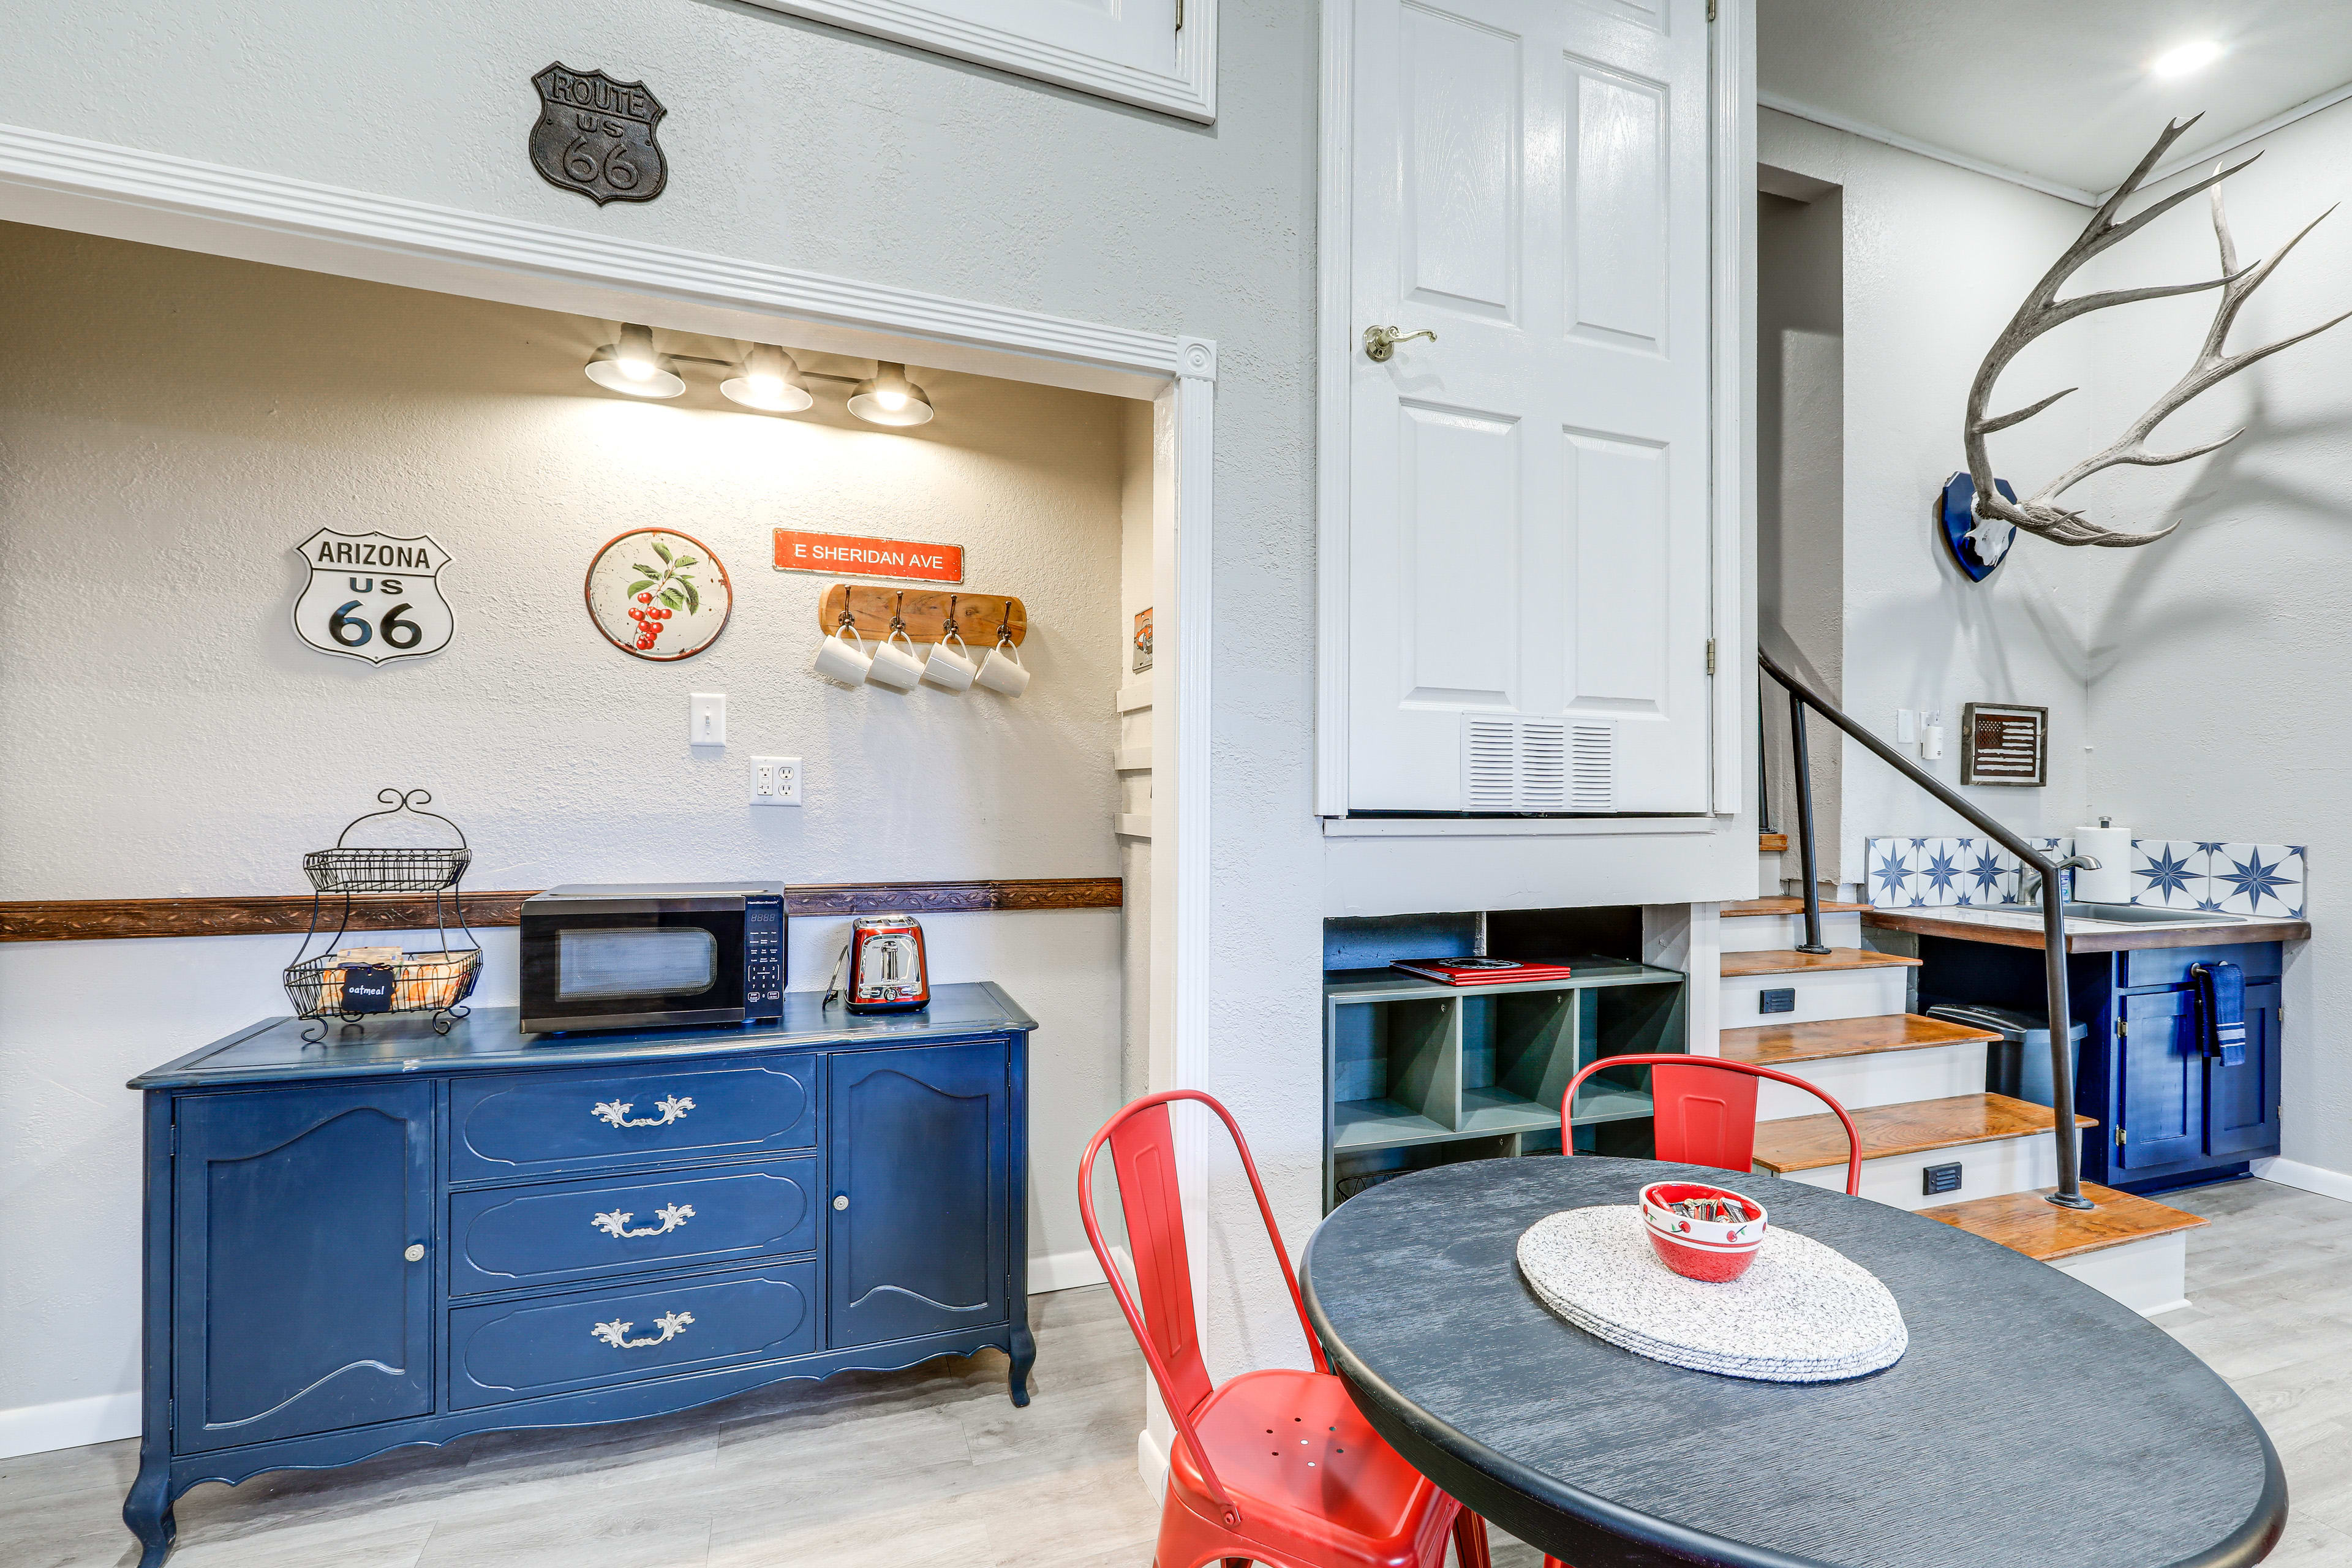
2187,57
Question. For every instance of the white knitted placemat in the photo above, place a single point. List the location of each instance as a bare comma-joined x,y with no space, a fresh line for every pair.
1801,1313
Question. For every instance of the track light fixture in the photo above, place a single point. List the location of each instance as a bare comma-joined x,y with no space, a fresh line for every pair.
631,366
765,378
768,379
890,398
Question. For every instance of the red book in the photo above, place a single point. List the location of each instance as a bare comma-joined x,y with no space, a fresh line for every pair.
1480,971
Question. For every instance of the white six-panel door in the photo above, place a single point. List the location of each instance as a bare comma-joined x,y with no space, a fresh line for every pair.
1529,534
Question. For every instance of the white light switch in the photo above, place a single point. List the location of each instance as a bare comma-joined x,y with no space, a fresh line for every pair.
775,781
706,719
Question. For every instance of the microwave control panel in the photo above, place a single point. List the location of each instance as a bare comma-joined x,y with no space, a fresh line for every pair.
763,956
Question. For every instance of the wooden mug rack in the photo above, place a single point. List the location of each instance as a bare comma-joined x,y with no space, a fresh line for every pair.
978,616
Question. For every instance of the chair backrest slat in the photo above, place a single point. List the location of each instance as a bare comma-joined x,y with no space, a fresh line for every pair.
1705,1116
1143,1154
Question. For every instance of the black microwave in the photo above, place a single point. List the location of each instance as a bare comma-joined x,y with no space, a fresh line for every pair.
650,955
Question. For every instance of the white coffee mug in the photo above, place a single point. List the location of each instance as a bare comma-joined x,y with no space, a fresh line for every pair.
895,664
952,670
1002,670
843,657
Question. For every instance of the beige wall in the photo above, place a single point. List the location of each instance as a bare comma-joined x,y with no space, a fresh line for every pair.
171,424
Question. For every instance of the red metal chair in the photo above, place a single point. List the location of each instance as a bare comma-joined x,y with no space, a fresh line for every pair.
1703,1120
1273,1466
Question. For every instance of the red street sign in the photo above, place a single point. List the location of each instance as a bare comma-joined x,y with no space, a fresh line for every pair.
836,553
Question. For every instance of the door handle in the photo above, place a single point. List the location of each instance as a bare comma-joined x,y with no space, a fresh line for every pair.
840,1201
1380,342
416,1253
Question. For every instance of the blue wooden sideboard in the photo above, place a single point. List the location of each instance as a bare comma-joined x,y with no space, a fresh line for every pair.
403,1237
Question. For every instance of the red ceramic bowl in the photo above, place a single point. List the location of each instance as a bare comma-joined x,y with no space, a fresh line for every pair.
1701,1250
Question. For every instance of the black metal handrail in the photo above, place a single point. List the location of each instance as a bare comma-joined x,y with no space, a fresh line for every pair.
2054,915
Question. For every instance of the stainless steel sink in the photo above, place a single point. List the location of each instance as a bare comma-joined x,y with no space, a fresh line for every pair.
2139,915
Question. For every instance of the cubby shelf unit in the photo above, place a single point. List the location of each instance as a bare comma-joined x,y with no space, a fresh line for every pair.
1417,1073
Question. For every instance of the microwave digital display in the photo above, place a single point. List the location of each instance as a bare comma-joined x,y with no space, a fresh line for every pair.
658,961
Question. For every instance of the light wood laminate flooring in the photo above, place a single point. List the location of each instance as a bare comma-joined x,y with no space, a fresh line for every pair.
935,1466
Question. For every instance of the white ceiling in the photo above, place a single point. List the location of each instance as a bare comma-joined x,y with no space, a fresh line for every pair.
2059,88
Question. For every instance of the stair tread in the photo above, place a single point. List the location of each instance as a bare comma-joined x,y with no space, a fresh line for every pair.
1787,906
2024,1223
1787,961
1776,1045
1809,1142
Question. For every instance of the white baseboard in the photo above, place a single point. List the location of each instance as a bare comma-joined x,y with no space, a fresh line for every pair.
2317,1179
68,1424
1062,1272
1151,1464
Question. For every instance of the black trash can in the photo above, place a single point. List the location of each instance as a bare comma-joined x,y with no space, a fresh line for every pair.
2018,1064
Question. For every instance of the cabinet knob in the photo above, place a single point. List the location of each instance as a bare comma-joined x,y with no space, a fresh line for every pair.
416,1253
840,1200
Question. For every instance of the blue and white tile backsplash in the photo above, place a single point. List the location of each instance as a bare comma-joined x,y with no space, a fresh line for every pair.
2167,873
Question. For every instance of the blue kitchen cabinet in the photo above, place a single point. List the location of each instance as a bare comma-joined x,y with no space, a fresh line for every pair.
918,1148
2169,1115
401,1237
298,1209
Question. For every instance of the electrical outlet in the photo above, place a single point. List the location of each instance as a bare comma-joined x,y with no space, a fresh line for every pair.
775,781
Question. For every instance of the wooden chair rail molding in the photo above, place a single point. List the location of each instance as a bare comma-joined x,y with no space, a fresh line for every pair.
269,914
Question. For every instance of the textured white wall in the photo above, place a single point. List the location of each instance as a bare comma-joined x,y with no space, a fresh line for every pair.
173,424
1936,260
803,146
2216,654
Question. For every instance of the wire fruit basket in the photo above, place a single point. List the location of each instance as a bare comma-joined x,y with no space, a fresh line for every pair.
359,983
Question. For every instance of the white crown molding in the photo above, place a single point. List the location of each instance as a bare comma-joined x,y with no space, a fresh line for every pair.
1879,133
1189,90
2309,107
135,194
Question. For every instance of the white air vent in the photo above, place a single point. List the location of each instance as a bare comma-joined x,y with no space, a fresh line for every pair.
1592,767
1490,763
1537,764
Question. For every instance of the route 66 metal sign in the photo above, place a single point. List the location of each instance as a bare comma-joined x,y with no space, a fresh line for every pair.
374,596
595,135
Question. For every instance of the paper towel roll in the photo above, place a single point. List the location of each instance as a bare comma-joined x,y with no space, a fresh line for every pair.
2111,847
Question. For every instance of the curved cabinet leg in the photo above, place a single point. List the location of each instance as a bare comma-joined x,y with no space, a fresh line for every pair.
1025,1356
147,1510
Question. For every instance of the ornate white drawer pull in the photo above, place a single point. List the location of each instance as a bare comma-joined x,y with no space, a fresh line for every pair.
616,1111
617,1222
616,1333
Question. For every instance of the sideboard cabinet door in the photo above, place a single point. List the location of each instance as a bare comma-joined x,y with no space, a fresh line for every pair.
2241,1102
296,1307
919,1145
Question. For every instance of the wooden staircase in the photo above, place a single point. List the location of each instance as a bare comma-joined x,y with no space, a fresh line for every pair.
1914,1087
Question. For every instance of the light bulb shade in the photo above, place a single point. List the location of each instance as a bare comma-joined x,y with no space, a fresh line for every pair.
769,380
890,398
631,366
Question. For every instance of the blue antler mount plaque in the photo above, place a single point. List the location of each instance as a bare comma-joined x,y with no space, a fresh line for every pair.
1955,519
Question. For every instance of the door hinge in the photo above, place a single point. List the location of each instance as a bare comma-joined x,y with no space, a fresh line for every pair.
2123,1029
1710,8
1710,656
2119,1137
175,1137
1180,13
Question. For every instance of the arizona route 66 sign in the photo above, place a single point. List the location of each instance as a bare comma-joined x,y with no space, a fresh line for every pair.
374,596
595,135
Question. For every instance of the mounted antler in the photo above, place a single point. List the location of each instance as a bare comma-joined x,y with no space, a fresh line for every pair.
2043,309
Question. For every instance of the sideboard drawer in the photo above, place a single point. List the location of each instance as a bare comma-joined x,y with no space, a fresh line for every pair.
552,1345
502,1238
600,1119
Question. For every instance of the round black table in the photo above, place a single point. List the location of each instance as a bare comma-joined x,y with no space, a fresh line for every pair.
2033,1423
